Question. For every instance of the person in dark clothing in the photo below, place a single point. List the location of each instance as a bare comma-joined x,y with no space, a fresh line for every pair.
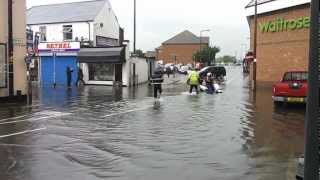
69,76
80,77
157,81
209,83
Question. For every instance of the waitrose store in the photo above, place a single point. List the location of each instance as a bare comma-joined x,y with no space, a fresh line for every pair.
282,39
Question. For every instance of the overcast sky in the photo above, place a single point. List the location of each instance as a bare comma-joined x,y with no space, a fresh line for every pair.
159,20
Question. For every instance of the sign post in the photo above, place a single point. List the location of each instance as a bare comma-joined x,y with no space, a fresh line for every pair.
311,170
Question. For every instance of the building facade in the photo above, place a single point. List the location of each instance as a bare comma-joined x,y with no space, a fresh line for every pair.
181,48
83,36
90,21
282,38
19,49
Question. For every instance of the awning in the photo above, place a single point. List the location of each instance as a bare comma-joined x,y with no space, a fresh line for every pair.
102,55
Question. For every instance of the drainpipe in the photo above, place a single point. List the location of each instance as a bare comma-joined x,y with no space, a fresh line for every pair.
10,49
89,25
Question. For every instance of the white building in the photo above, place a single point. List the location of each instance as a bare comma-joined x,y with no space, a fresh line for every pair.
103,57
91,21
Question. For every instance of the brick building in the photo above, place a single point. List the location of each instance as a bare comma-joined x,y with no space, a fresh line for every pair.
180,48
282,38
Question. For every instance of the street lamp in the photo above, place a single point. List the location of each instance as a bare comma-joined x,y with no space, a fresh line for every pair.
200,45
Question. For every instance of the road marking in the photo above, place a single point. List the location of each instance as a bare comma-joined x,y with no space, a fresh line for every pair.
32,120
17,117
45,112
52,115
22,132
129,111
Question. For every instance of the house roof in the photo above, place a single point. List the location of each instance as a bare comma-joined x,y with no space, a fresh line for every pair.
66,12
186,37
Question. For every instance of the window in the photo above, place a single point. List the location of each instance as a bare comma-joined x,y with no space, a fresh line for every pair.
67,32
296,76
43,33
101,72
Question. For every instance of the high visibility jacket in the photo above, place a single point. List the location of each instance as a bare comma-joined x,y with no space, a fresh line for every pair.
193,78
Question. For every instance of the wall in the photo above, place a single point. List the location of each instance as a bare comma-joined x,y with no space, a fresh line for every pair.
55,33
110,23
183,52
142,69
278,52
19,35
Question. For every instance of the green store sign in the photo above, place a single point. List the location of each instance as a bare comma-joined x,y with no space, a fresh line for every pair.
281,24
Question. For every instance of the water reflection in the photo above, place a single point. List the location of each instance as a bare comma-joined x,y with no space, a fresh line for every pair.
116,133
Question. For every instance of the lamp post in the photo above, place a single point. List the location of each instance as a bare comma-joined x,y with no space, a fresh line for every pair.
134,26
10,48
311,163
254,75
200,49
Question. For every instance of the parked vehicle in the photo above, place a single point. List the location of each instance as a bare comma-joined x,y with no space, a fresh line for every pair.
183,70
292,88
219,72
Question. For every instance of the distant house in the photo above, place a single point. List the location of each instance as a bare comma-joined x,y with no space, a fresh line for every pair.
89,21
180,48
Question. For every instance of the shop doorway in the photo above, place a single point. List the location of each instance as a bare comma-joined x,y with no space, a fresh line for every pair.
118,73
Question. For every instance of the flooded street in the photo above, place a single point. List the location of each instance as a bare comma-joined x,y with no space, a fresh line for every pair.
103,133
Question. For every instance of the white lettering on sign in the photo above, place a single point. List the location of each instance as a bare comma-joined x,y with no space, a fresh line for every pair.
59,46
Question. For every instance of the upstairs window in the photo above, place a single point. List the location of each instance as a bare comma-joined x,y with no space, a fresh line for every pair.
43,33
67,32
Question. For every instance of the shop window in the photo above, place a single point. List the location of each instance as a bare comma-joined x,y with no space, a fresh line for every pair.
3,64
101,72
43,33
67,32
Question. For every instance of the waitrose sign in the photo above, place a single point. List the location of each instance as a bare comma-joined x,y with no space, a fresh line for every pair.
280,24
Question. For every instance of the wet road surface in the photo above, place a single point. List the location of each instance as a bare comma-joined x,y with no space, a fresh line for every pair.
99,133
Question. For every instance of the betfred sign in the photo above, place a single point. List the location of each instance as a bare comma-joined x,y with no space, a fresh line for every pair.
59,46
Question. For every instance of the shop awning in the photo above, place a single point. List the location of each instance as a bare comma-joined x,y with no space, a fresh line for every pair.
102,55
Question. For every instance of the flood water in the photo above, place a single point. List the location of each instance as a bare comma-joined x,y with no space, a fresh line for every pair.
96,133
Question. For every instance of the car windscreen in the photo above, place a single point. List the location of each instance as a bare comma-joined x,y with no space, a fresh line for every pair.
295,76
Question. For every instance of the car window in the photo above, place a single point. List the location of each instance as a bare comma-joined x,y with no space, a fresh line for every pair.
295,76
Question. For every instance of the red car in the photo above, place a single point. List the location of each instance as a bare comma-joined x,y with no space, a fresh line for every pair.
292,88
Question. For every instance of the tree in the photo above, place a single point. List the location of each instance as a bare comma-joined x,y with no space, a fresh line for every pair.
139,53
207,55
227,59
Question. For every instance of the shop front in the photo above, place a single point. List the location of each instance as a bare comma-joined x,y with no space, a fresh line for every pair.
55,59
282,38
102,66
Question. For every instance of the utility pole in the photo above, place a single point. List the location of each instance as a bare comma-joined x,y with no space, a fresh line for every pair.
311,164
134,24
10,48
254,75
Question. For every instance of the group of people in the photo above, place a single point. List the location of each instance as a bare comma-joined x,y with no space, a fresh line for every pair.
194,81
69,72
